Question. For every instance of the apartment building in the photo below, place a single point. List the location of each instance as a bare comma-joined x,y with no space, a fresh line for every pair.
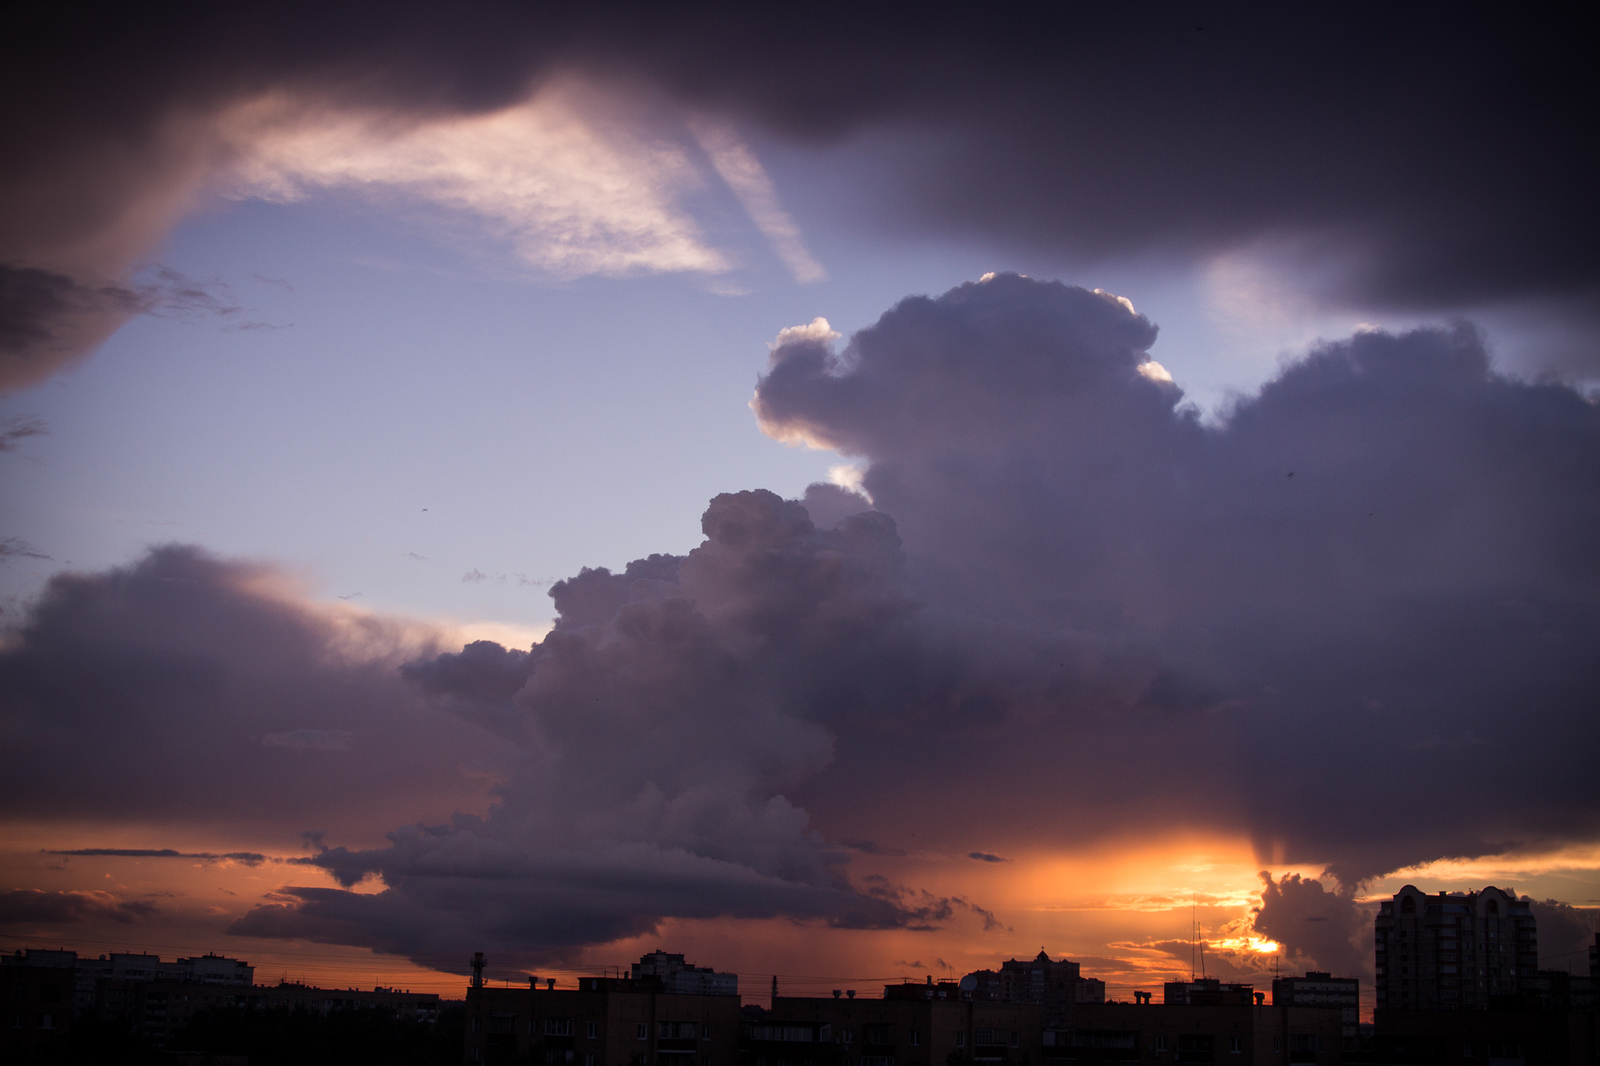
605,1021
1054,984
679,977
1454,950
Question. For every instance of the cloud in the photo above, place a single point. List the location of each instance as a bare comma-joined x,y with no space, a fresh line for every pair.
19,428
1429,564
1064,581
652,737
312,739
248,858
569,191
35,907
15,547
984,856
743,172
1565,934
49,319
1321,929
128,693
1075,135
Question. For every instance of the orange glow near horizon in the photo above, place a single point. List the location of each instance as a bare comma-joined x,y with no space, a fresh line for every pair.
1128,915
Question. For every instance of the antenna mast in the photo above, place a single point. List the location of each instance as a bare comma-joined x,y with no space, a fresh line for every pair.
1194,930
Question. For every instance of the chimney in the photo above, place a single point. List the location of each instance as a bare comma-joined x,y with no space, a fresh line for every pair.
837,993
477,969
930,979
533,982
549,983
1261,997
774,986
850,993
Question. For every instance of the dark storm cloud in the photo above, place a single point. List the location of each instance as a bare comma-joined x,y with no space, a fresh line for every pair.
657,730
1136,620
1382,570
1070,598
1565,934
25,907
1423,157
154,692
1320,928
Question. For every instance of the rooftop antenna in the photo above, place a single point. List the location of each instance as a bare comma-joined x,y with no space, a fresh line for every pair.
1194,926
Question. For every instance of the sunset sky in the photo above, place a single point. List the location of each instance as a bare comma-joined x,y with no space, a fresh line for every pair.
840,494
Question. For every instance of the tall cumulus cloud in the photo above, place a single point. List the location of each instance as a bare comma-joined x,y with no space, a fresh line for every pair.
1374,581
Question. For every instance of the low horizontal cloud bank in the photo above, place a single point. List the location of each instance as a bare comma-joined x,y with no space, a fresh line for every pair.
185,690
246,858
1452,172
29,908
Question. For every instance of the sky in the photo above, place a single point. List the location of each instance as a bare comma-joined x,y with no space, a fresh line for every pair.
839,494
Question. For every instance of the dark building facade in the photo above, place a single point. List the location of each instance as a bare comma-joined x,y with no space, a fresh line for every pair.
605,1021
1453,951
1054,984
912,1025
1222,1033
1208,992
1323,991
36,989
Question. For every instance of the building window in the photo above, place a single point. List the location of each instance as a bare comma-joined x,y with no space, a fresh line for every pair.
1236,1045
1161,1043
644,1031
558,1027
916,1039
588,1058
705,1032
591,1030
1466,1050
961,1038
47,1021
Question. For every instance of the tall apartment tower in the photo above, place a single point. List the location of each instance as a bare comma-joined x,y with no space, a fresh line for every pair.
1454,950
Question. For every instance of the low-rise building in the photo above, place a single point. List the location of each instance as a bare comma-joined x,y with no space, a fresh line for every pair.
36,997
912,1025
412,1006
605,1021
1231,1033
1208,992
1324,991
